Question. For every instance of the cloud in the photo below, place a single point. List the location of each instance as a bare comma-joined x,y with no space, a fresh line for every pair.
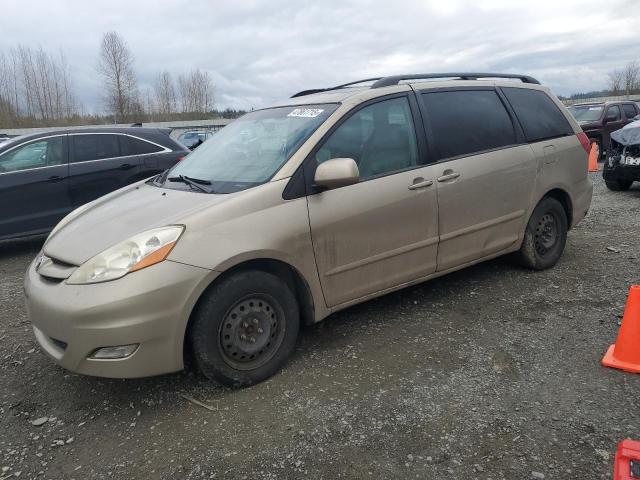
259,52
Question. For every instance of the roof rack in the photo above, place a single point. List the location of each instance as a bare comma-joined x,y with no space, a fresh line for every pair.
337,87
396,79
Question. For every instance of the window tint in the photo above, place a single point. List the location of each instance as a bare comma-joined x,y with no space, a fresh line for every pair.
613,112
539,116
629,110
464,122
42,153
95,147
135,146
380,138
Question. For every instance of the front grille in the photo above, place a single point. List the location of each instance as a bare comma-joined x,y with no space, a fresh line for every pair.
54,270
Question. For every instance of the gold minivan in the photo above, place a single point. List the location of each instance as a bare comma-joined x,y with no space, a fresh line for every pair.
296,211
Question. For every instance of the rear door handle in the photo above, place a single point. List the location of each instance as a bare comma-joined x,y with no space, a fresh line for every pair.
56,178
420,184
126,166
448,175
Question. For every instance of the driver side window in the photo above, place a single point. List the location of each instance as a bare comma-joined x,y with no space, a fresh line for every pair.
37,154
380,138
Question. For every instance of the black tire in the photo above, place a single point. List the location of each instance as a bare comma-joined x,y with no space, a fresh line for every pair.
245,328
545,235
618,185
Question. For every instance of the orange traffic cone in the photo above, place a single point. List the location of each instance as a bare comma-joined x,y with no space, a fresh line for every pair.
625,353
627,461
593,157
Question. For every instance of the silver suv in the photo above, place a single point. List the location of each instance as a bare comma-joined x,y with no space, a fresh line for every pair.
296,211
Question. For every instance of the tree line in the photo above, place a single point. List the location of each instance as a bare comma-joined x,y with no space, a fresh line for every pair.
36,89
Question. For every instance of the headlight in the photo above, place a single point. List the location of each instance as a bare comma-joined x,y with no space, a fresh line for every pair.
140,251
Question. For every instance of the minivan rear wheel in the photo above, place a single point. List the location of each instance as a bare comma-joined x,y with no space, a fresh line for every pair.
545,235
245,328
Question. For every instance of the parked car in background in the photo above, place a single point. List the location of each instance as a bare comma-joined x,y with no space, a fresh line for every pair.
46,175
598,120
292,212
194,138
622,166
4,138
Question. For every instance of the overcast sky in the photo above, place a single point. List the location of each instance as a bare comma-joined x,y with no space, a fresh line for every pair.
260,51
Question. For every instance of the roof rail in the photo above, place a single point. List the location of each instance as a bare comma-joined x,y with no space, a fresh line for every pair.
395,79
337,87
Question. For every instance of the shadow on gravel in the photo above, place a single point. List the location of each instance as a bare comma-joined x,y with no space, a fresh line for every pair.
31,245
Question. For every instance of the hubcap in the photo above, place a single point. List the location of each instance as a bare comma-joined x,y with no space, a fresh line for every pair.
546,233
251,332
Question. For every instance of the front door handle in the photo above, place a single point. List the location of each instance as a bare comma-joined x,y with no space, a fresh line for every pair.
448,175
420,183
126,166
56,178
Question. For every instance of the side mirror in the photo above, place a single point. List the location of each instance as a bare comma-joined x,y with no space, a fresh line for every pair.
610,118
337,172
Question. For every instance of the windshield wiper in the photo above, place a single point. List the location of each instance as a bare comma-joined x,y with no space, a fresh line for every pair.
192,182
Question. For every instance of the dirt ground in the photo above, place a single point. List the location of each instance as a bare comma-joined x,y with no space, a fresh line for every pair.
491,372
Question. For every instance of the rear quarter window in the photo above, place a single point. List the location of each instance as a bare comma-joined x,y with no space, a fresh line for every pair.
135,146
539,116
464,122
629,110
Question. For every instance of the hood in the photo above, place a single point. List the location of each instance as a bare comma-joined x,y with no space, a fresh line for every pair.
116,217
628,135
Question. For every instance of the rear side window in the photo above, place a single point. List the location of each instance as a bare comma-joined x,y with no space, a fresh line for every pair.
464,122
629,110
95,147
539,116
135,146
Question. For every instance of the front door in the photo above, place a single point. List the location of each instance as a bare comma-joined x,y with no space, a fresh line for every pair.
383,231
33,187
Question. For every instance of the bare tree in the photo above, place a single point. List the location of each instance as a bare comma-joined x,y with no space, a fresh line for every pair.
631,78
35,86
615,82
120,86
196,92
165,95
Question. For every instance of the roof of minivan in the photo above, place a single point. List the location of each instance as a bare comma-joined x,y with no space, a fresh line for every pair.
341,94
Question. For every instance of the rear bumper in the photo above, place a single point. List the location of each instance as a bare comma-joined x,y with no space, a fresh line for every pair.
150,307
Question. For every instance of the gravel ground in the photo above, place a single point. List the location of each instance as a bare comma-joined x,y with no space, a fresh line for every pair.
490,372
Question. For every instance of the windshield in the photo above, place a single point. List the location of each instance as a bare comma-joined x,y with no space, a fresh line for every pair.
250,150
586,113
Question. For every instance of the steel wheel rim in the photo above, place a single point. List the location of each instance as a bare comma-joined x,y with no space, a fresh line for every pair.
251,332
547,233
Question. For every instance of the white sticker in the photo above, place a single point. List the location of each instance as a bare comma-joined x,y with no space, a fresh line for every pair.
306,112
595,108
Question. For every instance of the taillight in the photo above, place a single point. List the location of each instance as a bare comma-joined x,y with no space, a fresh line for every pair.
584,141
182,157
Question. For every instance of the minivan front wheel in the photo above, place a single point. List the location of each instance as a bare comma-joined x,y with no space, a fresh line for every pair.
545,235
245,328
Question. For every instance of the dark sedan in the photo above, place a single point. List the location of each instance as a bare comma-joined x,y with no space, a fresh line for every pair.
46,175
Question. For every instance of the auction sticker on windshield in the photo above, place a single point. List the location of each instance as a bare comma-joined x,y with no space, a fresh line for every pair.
305,112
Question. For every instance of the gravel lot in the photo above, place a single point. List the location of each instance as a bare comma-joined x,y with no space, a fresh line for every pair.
490,372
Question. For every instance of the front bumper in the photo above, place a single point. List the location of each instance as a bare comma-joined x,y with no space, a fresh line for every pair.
150,307
621,172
